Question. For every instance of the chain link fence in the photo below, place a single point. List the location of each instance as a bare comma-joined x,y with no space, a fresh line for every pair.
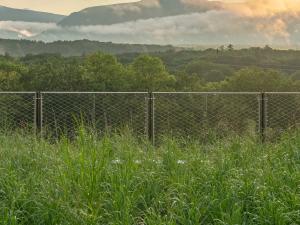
203,115
17,110
62,113
282,113
153,115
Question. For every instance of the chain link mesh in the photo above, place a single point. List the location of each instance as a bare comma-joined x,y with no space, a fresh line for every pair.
196,115
104,112
17,110
203,114
283,113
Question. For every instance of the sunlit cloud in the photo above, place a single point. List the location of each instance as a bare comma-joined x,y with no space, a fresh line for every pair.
251,22
263,8
25,29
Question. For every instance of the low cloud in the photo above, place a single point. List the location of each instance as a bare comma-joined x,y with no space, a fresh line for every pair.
25,29
256,22
212,27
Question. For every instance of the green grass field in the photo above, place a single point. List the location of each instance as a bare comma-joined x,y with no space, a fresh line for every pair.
120,180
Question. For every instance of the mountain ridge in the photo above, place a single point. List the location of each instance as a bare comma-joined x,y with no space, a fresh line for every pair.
27,15
126,12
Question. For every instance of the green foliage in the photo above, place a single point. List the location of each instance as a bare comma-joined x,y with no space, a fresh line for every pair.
118,180
254,79
10,75
54,73
189,82
103,72
150,74
21,48
209,70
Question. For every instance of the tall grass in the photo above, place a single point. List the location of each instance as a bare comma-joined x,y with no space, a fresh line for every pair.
120,180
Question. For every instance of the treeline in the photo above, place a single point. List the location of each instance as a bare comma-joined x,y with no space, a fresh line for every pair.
216,64
104,72
20,48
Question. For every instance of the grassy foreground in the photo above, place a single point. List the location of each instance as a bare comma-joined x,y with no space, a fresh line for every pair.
118,180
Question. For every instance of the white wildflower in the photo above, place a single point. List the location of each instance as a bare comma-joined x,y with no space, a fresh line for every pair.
138,162
158,161
116,161
181,162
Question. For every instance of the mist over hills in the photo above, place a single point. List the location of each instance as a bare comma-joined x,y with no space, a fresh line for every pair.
24,23
161,22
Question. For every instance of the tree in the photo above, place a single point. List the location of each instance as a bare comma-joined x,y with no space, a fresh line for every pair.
53,73
230,47
208,71
188,82
268,48
149,73
103,72
254,79
10,75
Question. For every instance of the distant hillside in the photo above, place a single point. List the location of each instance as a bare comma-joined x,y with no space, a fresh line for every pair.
10,14
146,9
7,34
19,48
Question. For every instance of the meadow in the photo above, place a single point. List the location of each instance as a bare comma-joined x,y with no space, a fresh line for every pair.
119,179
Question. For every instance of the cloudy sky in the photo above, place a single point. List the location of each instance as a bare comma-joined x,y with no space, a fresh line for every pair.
248,22
65,7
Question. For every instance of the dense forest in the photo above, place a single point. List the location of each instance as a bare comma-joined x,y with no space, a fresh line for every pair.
20,48
223,69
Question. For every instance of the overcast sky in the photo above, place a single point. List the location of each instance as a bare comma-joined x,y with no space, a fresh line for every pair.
252,22
64,7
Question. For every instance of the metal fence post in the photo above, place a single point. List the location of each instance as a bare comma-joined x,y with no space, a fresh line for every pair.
94,112
151,121
205,116
263,116
38,113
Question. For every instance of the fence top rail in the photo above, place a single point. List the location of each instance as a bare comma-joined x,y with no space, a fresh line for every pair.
283,93
211,93
17,92
78,92
157,92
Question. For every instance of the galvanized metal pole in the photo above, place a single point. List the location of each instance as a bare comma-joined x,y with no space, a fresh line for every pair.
94,112
205,116
35,113
38,113
151,119
263,116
